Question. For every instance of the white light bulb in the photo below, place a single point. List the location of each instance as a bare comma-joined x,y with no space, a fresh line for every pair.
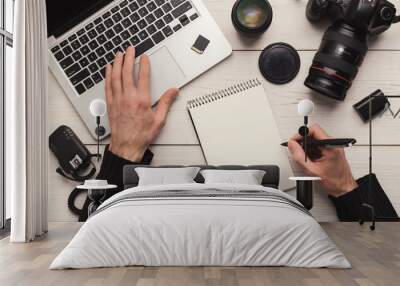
305,107
98,107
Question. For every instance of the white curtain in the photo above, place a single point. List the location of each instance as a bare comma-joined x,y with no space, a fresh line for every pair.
26,117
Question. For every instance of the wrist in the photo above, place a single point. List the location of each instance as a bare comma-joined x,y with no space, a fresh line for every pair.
346,187
130,153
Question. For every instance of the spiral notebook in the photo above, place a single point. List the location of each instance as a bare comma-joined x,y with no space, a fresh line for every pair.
236,126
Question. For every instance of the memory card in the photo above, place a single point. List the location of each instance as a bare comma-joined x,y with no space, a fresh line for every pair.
200,45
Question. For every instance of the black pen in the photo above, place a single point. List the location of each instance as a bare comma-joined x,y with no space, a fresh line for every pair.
327,143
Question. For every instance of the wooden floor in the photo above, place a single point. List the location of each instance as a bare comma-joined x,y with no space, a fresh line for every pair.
375,257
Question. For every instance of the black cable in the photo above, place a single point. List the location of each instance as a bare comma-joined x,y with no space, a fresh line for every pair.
396,19
75,176
61,172
76,192
369,203
71,201
98,137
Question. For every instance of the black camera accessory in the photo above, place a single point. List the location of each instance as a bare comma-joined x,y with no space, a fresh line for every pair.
345,43
72,155
379,103
279,63
252,17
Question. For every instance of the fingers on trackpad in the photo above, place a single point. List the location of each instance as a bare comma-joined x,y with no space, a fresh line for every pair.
164,73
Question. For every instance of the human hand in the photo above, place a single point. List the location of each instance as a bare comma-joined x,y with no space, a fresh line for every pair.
333,167
134,124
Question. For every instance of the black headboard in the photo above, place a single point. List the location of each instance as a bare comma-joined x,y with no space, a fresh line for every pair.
271,178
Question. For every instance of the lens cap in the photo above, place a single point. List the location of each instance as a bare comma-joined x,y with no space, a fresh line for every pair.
279,63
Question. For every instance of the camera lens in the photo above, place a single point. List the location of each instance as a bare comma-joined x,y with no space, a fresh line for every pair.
252,16
386,13
337,61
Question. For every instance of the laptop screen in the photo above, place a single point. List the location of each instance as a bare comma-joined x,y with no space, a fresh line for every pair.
63,15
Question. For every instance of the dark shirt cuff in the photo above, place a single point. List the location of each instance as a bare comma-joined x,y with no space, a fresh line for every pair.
112,166
349,206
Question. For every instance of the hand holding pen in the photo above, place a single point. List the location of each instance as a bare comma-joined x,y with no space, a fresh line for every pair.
332,166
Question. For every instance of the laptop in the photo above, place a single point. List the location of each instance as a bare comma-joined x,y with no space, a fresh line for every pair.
180,37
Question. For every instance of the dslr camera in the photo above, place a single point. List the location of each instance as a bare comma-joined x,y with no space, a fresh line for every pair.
345,43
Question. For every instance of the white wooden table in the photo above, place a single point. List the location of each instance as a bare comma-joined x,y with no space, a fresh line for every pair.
178,143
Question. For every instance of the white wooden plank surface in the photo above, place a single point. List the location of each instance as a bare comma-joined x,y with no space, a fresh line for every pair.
178,143
380,70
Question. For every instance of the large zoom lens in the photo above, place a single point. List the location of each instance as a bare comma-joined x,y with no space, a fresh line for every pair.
336,63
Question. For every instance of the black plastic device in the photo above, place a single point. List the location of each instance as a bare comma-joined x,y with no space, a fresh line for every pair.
72,155
327,143
379,103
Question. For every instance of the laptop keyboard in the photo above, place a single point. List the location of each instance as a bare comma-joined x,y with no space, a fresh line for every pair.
139,23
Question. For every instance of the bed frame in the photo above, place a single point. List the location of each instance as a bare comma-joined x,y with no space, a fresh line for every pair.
271,178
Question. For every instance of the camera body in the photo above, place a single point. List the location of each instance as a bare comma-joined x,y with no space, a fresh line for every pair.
345,43
372,16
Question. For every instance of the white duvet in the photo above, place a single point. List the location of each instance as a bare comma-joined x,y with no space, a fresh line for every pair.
206,231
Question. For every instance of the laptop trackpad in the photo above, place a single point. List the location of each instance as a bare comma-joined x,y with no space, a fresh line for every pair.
165,73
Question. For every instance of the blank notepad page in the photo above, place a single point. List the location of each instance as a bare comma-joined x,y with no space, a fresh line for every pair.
236,126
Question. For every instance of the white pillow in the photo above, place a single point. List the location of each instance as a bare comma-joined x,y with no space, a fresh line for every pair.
246,177
166,176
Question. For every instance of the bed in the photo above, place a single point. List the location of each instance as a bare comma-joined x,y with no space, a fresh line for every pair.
201,224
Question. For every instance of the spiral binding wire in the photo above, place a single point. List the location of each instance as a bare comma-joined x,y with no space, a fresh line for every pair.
229,91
